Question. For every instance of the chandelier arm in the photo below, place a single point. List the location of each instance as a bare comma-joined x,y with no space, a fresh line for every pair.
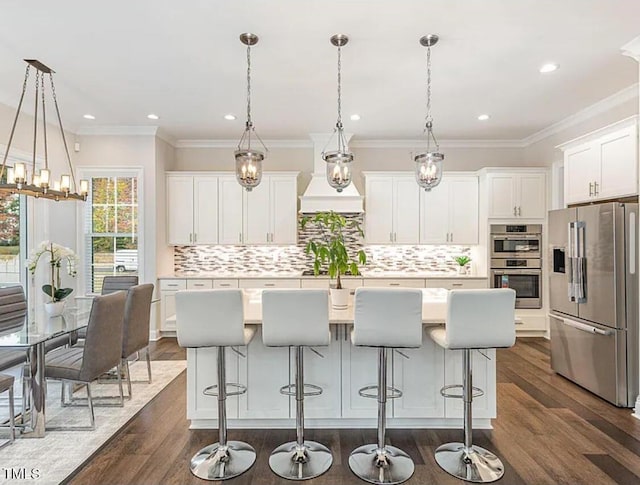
329,140
35,130
44,125
434,140
64,138
15,121
242,138
259,139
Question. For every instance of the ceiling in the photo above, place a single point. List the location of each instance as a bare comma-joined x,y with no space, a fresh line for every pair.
120,60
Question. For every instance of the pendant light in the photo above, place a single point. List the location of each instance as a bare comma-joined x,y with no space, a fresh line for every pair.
429,162
339,160
248,159
25,180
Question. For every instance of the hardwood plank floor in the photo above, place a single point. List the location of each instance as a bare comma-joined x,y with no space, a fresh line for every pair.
548,431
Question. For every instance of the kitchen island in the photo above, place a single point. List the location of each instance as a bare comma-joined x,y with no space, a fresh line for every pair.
341,370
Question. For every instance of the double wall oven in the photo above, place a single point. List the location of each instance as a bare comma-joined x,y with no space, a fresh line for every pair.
516,261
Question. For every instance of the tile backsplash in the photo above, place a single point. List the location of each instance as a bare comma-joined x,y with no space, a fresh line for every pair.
255,260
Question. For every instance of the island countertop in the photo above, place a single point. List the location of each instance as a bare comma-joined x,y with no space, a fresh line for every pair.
299,275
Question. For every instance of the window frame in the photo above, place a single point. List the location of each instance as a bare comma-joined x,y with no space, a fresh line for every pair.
90,173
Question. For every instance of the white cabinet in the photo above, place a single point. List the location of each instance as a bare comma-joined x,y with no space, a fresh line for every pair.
393,283
192,209
269,283
516,195
604,167
168,290
230,198
392,208
457,283
483,371
270,215
449,212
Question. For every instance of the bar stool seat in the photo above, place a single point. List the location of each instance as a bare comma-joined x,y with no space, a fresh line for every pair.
297,318
6,385
476,319
215,318
385,319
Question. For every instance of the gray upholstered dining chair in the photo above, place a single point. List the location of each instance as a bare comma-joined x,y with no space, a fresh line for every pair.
6,385
102,351
135,337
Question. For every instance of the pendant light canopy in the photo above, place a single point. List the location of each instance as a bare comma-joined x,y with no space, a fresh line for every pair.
248,159
338,160
428,168
25,180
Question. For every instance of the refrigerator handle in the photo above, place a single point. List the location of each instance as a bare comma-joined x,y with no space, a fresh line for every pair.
569,256
581,263
583,326
632,243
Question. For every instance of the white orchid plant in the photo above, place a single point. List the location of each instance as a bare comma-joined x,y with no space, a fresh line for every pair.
57,255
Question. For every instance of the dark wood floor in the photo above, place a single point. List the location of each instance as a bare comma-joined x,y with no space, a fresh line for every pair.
548,431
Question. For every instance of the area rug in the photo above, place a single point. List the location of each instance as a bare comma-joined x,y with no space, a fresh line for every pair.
51,459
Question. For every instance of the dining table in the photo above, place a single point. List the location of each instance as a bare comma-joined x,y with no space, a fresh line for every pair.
31,334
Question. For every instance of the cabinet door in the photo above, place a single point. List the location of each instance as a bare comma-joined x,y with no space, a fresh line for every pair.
618,164
502,197
229,210
484,377
379,210
284,209
264,371
463,210
532,196
420,390
256,215
406,210
580,173
434,217
323,372
168,310
205,215
179,210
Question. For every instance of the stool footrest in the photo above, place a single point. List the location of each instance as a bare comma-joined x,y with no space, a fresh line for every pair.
392,392
477,392
232,390
290,390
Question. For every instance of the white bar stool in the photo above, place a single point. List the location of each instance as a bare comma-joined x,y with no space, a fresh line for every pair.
476,319
215,318
297,318
387,319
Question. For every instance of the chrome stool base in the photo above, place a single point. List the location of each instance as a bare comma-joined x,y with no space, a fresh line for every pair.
221,463
390,465
293,462
479,465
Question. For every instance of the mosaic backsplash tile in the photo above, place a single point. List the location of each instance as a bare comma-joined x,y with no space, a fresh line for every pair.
255,260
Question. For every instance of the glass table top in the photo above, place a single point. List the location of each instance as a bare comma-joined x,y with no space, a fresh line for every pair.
24,332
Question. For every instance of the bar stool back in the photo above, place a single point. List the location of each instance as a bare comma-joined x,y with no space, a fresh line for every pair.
385,318
215,318
297,318
476,319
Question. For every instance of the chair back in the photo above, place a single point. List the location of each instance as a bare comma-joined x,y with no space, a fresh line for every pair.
13,307
295,317
137,316
481,319
387,317
210,318
111,284
103,344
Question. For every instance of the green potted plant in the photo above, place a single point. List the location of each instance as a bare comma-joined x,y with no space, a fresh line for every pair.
329,251
462,261
56,254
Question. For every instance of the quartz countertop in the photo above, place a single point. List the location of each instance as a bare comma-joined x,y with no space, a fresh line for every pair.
298,275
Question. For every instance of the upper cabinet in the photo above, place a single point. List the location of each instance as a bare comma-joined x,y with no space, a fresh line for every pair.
192,209
516,194
212,208
392,208
603,164
449,212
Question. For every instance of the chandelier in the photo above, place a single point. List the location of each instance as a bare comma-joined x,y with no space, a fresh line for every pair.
428,168
22,179
339,160
249,160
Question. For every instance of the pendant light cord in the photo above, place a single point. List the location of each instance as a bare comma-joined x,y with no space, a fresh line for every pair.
249,123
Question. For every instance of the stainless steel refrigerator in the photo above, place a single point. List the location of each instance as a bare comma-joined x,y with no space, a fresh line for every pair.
593,286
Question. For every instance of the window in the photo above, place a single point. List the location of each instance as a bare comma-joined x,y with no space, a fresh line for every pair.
111,227
12,238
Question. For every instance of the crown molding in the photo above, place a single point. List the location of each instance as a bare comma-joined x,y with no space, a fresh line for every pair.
621,97
632,49
118,130
185,143
418,142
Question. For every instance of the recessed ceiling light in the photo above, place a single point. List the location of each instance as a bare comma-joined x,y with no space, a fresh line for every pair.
89,117
153,117
548,67
355,117
483,117
230,117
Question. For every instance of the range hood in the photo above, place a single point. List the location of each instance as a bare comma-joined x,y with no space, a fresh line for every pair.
319,195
